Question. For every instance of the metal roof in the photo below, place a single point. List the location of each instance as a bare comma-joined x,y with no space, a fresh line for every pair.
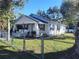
40,18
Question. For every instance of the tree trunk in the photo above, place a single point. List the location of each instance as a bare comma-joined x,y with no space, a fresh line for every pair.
77,39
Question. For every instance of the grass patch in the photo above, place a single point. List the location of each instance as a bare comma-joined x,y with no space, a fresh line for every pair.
50,45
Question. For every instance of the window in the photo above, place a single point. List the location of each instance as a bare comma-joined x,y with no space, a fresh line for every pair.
42,26
52,27
58,27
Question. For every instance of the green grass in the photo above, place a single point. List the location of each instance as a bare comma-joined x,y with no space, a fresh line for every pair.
50,45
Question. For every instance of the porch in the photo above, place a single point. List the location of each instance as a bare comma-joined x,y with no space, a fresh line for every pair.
31,30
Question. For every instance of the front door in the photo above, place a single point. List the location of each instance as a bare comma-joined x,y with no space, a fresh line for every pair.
31,28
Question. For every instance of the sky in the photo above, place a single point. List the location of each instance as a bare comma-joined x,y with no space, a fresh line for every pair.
32,6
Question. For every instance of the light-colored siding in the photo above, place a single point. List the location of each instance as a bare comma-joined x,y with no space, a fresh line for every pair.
25,20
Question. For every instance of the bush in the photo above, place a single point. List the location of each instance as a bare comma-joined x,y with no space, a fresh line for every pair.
45,35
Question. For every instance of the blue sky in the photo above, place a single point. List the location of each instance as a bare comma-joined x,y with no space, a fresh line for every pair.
32,6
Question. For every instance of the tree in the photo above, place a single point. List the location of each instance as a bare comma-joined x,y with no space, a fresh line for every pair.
6,11
41,13
8,5
49,10
69,9
54,13
51,13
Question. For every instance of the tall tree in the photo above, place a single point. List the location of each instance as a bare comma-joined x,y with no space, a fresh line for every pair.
69,9
41,13
6,10
54,13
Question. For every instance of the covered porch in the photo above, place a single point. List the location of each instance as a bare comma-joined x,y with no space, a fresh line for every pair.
28,30
25,30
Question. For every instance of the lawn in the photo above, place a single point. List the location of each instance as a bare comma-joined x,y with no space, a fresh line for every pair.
54,48
50,45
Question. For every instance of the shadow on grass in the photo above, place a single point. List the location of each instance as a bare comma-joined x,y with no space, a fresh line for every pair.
7,54
3,47
66,54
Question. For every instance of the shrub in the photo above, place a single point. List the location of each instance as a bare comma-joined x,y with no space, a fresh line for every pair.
45,35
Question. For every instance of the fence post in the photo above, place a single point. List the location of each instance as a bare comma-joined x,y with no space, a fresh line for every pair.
24,41
42,46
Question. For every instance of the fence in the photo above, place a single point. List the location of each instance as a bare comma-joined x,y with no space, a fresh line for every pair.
39,47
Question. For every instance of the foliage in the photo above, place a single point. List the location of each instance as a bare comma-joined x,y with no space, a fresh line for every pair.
6,9
41,13
54,13
7,4
69,10
51,13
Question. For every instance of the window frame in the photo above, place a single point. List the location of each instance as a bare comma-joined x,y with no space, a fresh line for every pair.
58,27
52,27
42,28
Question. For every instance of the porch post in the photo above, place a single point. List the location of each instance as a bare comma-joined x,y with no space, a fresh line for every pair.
8,38
30,30
37,30
55,29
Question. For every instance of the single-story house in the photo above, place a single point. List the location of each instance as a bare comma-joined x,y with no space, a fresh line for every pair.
70,28
37,25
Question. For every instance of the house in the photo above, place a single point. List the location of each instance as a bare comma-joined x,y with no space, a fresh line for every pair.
70,28
37,25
